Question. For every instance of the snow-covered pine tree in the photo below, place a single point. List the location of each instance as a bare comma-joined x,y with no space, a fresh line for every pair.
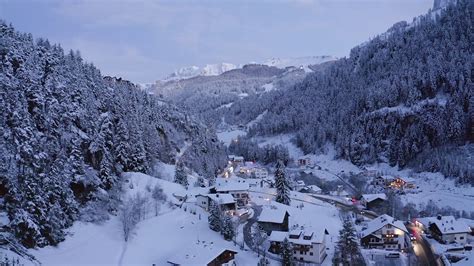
228,229
286,253
180,176
282,184
347,248
215,217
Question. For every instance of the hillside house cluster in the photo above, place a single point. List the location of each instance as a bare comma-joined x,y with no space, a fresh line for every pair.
394,183
307,246
251,169
385,232
445,229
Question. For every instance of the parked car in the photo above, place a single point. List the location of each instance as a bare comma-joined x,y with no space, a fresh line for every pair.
412,237
392,255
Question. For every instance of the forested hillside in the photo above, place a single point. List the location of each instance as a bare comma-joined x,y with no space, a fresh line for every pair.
406,91
66,134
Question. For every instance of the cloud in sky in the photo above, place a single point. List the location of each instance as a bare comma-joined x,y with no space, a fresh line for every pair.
144,40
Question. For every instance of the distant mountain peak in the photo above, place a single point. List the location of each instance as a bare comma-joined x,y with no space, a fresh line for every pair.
193,71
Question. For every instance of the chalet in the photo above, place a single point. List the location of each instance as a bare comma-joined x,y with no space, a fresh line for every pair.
238,159
371,201
203,255
445,229
180,196
403,183
298,185
304,161
260,172
274,220
382,181
308,247
225,201
384,232
238,188
311,189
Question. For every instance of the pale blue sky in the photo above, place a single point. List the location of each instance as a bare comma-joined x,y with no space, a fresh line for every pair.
145,40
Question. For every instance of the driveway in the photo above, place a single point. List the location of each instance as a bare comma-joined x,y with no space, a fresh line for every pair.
257,209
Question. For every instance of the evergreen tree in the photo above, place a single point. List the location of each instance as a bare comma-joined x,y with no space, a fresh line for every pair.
228,229
215,217
286,253
282,184
180,176
347,249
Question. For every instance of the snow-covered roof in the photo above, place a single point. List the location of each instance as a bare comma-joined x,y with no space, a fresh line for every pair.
233,186
311,237
272,216
468,222
278,236
447,224
240,158
382,221
300,182
372,197
221,198
314,188
197,254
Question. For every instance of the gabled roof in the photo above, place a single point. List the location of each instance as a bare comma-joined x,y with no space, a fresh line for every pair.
198,254
279,236
372,197
221,198
382,221
272,216
447,224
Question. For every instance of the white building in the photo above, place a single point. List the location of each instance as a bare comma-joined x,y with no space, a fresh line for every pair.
445,228
238,188
225,201
384,232
307,246
304,161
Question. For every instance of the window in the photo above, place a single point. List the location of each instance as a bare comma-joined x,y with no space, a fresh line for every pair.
461,238
295,258
294,251
311,253
301,252
301,258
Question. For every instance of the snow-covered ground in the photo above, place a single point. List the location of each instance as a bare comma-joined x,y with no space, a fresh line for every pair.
228,136
433,186
156,239
284,140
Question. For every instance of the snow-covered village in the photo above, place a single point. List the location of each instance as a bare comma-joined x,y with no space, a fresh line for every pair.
127,137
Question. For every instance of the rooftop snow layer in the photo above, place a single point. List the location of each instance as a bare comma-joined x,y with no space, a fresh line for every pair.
272,215
380,222
222,198
372,197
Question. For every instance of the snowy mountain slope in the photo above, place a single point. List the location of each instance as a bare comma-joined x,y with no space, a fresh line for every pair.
219,68
193,71
73,131
300,62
